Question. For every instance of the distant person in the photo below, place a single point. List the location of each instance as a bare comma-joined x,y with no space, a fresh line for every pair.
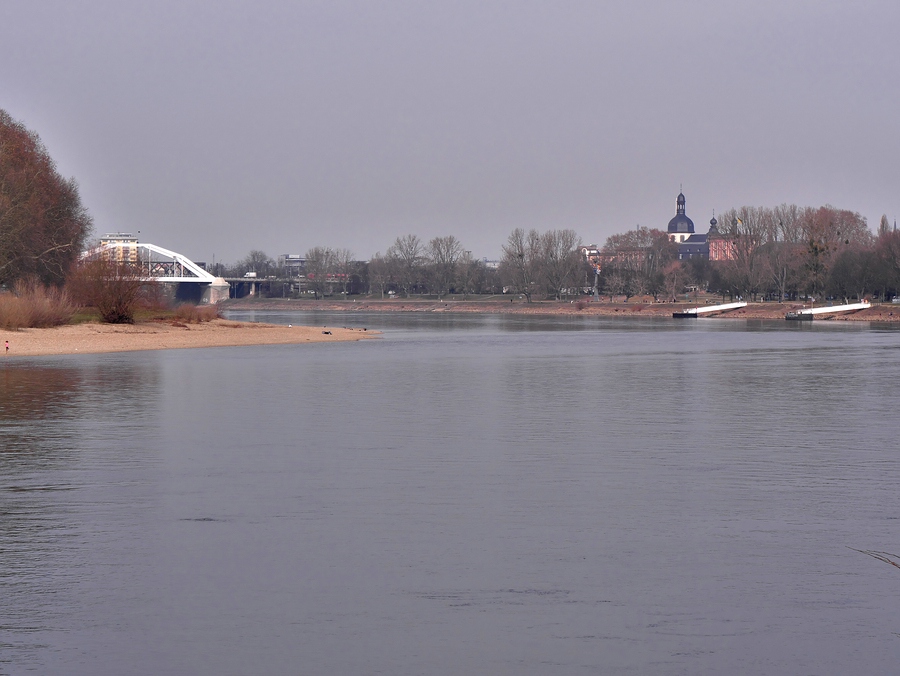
7,346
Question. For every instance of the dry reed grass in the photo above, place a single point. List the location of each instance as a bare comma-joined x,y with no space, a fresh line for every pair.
32,305
196,314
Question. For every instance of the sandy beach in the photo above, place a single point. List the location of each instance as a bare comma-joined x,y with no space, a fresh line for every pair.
165,335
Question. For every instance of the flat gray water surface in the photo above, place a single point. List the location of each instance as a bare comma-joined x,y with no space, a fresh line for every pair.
466,495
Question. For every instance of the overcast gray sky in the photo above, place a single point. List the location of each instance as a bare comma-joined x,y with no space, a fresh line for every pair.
217,127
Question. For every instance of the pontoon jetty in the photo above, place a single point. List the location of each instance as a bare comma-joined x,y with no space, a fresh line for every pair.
707,309
808,313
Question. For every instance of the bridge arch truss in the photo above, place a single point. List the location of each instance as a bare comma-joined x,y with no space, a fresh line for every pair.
162,265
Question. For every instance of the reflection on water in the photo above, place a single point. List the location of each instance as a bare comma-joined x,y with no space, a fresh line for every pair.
418,322
32,391
62,423
484,495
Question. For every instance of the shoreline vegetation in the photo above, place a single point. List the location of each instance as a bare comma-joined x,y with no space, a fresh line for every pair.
634,307
94,338
163,334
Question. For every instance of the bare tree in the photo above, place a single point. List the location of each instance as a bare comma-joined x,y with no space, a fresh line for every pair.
115,289
747,228
853,272
560,260
381,269
478,277
320,269
614,283
887,256
468,271
790,223
407,253
833,226
784,265
826,231
345,267
677,276
258,262
43,224
638,257
519,267
443,256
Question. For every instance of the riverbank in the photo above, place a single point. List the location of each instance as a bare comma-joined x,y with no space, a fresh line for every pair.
630,308
165,335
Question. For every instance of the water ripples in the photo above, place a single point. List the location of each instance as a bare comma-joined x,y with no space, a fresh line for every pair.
462,496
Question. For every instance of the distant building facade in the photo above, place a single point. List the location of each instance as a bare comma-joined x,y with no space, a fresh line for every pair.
721,248
294,265
121,247
681,231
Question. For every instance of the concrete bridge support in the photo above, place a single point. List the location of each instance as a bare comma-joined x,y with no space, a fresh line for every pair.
216,291
199,293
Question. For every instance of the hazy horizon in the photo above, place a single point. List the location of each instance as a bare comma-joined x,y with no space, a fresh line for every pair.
217,128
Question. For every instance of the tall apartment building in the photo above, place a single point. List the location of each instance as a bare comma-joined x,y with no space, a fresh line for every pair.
122,247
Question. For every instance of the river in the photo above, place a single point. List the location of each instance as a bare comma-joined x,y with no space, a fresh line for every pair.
469,494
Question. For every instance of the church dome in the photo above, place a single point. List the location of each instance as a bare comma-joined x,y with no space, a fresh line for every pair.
681,223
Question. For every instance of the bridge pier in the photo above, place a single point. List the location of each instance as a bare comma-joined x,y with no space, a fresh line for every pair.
216,291
199,293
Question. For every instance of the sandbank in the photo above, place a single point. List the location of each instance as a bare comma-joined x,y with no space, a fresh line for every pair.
165,335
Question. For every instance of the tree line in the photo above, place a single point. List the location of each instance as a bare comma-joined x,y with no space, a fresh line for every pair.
779,253
534,264
783,252
788,251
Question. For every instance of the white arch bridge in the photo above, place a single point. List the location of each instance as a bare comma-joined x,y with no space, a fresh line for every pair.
187,280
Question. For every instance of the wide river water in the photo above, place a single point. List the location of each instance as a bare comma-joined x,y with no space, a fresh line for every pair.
466,495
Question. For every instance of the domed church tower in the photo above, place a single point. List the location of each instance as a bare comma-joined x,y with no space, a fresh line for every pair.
681,227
